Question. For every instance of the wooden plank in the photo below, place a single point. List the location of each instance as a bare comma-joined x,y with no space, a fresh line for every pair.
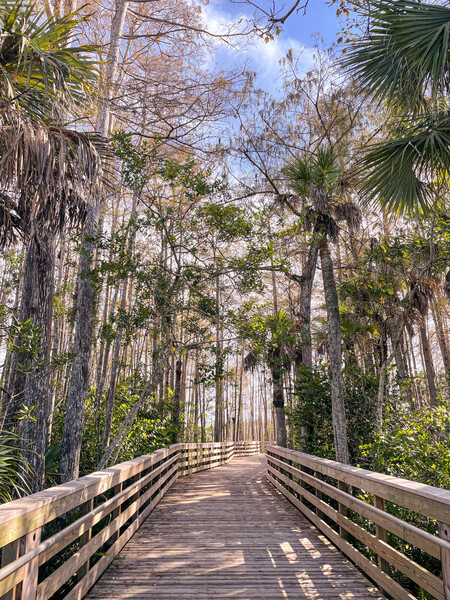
383,580
87,508
53,582
414,571
427,500
415,536
225,533
83,586
381,533
11,579
10,553
319,494
116,511
66,536
21,516
31,571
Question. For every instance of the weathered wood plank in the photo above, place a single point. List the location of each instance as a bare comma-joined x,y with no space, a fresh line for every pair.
227,533
415,536
430,501
19,517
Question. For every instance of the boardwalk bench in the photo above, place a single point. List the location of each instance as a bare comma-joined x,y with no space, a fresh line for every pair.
57,543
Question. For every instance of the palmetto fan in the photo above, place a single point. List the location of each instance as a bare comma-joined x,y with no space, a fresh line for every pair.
404,62
47,171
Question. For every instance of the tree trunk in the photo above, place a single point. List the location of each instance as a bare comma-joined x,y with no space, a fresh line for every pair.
37,306
380,396
402,370
85,304
278,397
177,398
441,340
429,369
308,273
335,354
218,412
79,377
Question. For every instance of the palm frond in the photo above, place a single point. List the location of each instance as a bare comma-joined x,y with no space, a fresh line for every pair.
300,176
399,173
48,175
321,173
406,53
13,468
325,168
41,70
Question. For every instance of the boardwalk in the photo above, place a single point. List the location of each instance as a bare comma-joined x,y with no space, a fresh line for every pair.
227,533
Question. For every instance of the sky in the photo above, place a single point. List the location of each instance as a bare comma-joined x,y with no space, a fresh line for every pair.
261,57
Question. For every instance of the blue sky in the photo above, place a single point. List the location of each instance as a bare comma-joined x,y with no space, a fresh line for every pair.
262,57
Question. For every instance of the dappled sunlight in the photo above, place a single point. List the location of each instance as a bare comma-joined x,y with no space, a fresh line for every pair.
310,547
289,552
227,534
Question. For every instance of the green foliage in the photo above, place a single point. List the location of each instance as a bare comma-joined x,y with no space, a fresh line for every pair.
25,342
322,171
414,444
149,431
13,468
228,221
134,159
404,61
39,61
312,410
407,54
401,172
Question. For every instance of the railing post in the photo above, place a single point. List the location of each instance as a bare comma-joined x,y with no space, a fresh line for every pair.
85,538
319,495
10,553
343,509
381,533
116,512
30,577
444,533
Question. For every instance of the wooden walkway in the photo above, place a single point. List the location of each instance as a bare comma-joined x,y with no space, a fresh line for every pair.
226,533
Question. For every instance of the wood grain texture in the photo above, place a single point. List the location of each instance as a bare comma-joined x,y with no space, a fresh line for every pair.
429,501
228,534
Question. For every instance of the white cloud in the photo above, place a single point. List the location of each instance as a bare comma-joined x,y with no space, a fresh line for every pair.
260,56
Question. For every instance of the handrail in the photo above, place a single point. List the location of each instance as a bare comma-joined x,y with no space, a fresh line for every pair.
323,491
86,522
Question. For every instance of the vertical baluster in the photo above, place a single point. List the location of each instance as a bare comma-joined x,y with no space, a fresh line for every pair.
319,495
381,533
85,538
116,512
10,553
343,509
444,533
30,578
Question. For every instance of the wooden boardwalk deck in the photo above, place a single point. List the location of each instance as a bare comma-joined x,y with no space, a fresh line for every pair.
227,533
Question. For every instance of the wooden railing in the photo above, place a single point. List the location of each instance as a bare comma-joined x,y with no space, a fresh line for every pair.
60,541
330,495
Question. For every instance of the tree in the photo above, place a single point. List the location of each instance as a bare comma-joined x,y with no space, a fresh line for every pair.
320,180
48,172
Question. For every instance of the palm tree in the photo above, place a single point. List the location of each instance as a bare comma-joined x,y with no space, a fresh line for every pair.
274,340
47,173
320,180
404,62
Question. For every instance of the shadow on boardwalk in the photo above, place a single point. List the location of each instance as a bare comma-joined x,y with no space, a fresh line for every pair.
228,534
